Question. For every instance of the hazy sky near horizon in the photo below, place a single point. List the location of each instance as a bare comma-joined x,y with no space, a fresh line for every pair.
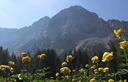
20,13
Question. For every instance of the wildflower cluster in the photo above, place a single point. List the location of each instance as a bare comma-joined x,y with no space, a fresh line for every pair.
65,70
98,68
122,44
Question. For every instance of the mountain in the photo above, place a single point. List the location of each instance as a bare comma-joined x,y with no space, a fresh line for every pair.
67,28
74,24
73,27
16,38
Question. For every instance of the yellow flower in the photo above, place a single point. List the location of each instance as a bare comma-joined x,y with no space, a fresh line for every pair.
125,80
65,70
106,69
57,74
120,81
82,70
107,56
26,60
118,32
69,58
110,80
92,80
74,80
100,69
5,68
93,66
87,66
94,59
95,71
11,63
11,69
64,64
41,57
123,44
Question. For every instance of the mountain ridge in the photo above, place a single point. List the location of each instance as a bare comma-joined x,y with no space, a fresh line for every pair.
63,32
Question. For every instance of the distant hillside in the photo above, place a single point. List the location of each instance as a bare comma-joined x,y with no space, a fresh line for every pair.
16,38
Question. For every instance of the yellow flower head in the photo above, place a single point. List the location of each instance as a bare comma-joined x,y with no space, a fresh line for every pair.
93,66
123,44
65,70
64,64
74,80
41,57
87,66
110,80
11,69
106,69
125,80
11,63
5,68
95,71
57,74
100,69
107,56
82,70
118,32
95,59
92,80
69,58
26,60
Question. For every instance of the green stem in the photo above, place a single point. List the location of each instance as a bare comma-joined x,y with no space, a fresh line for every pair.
126,58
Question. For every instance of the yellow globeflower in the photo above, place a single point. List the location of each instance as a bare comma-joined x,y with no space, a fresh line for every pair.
118,32
11,63
92,80
106,69
74,80
87,66
57,74
65,70
11,69
5,68
125,80
41,57
120,80
110,80
123,44
100,69
107,56
95,59
82,70
95,71
69,58
64,64
26,60
93,66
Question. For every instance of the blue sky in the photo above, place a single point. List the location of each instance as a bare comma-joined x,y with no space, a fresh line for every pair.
20,13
